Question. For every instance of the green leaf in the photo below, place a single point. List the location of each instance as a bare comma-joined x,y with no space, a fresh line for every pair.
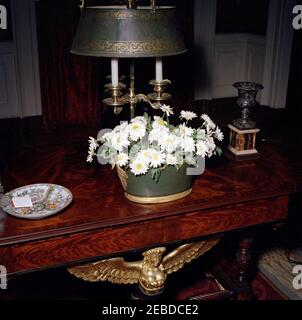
200,134
105,153
134,151
171,128
149,121
156,173
218,151
179,159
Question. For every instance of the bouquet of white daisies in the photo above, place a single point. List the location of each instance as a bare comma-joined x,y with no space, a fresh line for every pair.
150,144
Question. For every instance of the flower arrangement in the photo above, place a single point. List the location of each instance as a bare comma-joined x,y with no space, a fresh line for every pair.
148,143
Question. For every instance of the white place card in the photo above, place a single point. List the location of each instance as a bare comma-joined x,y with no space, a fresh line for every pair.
22,202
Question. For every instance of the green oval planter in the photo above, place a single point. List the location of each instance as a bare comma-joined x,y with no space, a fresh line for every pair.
173,184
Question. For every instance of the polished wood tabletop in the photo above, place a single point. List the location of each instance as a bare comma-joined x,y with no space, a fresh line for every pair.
101,222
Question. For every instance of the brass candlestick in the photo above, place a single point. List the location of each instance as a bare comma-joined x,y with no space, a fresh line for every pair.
118,100
115,99
159,93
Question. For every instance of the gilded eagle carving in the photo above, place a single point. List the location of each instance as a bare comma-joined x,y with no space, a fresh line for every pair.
151,272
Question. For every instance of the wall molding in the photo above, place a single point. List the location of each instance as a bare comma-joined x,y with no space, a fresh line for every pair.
238,57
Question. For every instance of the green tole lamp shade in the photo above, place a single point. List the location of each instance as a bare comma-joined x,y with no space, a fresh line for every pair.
114,31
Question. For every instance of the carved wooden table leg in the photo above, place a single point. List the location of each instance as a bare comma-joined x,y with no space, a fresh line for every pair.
243,262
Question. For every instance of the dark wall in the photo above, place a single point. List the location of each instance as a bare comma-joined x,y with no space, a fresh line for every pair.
294,97
242,16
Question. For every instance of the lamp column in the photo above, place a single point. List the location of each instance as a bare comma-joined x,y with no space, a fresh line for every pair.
132,90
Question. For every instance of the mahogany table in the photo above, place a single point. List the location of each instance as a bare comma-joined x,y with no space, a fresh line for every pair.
101,222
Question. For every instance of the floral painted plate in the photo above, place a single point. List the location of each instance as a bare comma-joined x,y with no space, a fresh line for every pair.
47,199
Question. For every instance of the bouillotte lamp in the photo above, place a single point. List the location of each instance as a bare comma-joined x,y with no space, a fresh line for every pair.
130,32
138,32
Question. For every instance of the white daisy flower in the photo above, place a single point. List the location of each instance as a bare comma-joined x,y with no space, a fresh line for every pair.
210,143
171,160
188,115
188,144
122,159
139,167
166,109
139,119
154,136
166,145
157,158
209,123
122,128
201,148
185,131
119,141
93,144
169,143
137,130
145,155
159,129
107,136
89,158
218,134
159,123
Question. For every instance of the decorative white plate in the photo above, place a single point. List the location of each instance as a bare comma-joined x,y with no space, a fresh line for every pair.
47,199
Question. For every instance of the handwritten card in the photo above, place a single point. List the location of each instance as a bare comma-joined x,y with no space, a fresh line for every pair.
22,202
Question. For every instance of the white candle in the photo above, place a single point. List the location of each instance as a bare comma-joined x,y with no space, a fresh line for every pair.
114,72
159,69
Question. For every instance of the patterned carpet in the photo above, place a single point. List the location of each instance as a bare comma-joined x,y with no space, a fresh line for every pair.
275,266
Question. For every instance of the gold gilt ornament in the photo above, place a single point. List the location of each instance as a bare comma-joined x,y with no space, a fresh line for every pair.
150,273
